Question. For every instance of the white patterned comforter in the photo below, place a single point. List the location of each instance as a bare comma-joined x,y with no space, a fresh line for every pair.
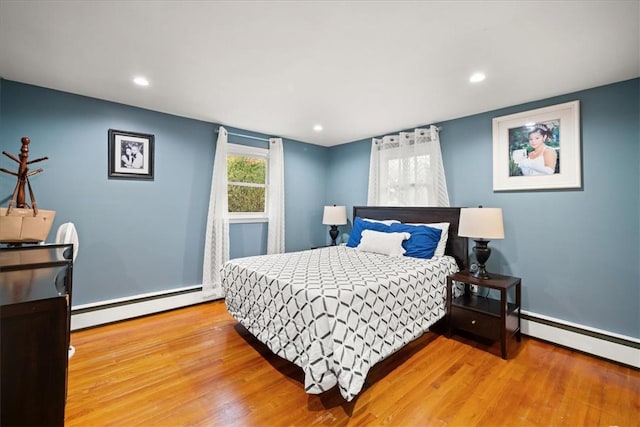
336,311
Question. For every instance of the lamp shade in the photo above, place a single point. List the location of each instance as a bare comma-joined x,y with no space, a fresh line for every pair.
481,223
334,215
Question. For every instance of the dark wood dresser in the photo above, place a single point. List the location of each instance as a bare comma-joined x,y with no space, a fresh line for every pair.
35,320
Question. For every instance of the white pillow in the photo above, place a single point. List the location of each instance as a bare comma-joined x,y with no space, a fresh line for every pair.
383,243
383,221
442,243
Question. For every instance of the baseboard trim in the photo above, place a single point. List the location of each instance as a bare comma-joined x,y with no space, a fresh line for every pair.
608,345
100,313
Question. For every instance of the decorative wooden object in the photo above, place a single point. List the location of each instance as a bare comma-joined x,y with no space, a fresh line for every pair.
23,176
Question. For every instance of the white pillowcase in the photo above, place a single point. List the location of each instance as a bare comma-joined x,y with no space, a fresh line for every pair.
383,221
442,243
383,243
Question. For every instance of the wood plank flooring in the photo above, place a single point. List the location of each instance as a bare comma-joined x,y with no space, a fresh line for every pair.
198,367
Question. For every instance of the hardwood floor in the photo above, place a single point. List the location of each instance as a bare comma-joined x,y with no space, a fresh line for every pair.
197,366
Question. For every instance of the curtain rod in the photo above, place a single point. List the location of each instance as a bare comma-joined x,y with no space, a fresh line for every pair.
439,128
247,136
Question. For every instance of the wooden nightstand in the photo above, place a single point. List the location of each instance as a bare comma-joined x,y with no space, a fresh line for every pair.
485,317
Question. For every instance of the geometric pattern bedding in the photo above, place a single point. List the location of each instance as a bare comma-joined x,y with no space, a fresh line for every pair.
336,311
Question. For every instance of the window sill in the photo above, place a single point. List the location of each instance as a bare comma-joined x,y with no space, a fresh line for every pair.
249,219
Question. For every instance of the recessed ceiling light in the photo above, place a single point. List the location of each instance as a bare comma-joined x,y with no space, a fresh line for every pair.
477,77
317,128
141,81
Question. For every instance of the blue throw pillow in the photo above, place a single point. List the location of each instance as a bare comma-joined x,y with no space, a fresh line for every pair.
360,224
423,242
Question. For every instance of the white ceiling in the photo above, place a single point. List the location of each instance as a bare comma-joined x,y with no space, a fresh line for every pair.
359,68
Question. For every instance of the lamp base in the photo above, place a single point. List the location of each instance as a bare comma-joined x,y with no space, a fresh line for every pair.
482,253
333,233
481,273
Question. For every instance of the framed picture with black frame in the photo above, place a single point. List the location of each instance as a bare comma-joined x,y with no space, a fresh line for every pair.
130,155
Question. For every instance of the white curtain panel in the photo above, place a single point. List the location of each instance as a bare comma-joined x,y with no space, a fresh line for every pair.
216,248
275,235
407,170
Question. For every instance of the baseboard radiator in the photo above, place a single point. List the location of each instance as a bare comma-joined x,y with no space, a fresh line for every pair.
90,315
605,344
618,348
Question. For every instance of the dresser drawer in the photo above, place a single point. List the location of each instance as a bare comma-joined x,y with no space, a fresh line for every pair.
481,324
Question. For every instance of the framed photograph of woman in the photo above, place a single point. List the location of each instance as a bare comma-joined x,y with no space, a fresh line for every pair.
130,155
538,149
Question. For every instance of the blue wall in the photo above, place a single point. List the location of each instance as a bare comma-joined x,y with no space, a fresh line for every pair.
140,236
578,251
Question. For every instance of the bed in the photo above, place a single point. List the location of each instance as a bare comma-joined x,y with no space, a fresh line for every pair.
337,311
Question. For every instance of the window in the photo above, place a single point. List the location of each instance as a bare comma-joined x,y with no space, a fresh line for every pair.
407,170
406,178
247,183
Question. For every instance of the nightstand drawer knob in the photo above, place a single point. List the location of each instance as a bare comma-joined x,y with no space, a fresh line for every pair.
473,322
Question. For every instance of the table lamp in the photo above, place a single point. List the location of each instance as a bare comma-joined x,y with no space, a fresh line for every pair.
482,225
334,216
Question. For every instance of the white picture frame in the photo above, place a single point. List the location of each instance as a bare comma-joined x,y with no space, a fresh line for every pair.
515,168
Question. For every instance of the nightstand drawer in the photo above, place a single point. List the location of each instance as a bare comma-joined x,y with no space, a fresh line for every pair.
477,323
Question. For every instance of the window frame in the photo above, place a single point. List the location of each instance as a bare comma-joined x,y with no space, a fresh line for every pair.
257,152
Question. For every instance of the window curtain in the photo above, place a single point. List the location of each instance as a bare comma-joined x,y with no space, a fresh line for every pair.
216,249
275,235
407,170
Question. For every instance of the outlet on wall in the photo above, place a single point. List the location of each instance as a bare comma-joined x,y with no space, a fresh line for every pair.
473,289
